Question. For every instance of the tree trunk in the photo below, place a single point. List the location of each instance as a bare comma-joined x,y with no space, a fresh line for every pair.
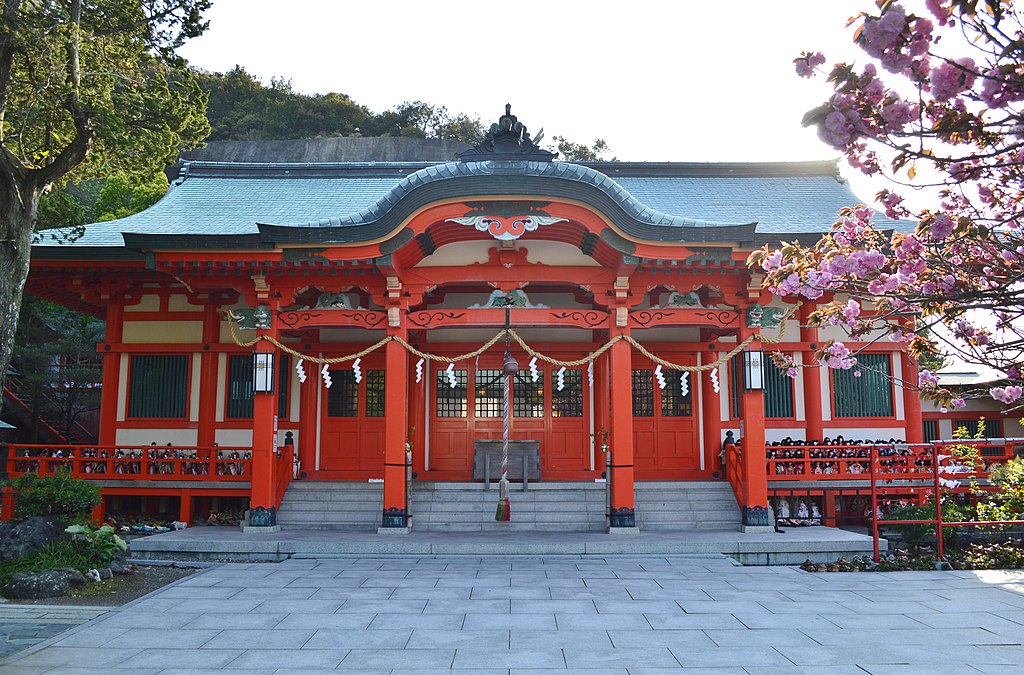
19,200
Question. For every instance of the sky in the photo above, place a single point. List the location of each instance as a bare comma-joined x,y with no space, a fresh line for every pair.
680,80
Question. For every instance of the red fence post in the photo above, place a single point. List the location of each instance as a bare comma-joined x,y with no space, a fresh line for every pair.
7,504
938,503
872,460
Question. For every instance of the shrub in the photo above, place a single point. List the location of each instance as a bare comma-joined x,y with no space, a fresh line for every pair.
65,553
54,494
99,544
918,535
999,555
1008,502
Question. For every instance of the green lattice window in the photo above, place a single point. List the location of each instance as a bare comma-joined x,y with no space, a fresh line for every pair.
158,387
673,403
867,395
527,395
778,389
343,396
931,430
375,393
993,428
239,386
643,393
569,401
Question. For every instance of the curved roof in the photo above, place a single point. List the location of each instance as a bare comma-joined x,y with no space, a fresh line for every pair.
355,201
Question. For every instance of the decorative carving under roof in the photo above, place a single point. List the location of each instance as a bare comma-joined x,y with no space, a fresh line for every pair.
508,139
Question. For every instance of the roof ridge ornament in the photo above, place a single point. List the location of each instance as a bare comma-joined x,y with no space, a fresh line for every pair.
508,139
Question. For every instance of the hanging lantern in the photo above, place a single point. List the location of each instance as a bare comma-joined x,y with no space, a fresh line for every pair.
753,375
263,372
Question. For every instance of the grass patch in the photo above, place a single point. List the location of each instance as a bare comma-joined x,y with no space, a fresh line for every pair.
54,555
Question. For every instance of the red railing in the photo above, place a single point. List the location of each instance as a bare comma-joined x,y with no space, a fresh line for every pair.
943,470
116,462
896,462
284,468
734,473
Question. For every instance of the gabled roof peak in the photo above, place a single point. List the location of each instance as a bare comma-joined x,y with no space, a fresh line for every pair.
508,139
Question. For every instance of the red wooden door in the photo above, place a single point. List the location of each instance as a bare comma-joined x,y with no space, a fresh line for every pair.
352,428
665,441
473,409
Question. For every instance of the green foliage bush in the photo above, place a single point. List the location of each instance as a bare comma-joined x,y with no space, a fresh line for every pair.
100,544
54,494
1008,502
65,553
920,535
1007,554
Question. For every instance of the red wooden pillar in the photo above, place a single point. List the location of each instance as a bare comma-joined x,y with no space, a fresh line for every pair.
602,417
811,377
308,417
912,401
263,502
621,440
111,376
396,410
207,433
755,507
711,416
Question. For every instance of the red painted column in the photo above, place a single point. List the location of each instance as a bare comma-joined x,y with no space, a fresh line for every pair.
208,378
262,504
602,410
307,418
912,401
755,509
111,376
711,415
811,377
621,439
396,410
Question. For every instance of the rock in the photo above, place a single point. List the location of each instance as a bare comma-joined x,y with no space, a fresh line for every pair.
116,567
106,573
45,584
24,538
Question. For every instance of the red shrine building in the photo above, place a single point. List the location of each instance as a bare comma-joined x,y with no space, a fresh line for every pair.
282,322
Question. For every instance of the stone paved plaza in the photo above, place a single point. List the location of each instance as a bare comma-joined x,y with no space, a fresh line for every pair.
572,614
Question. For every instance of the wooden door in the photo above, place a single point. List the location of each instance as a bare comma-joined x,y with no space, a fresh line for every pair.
665,420
352,427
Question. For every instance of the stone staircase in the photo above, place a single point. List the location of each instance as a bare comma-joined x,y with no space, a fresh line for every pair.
688,505
544,507
331,505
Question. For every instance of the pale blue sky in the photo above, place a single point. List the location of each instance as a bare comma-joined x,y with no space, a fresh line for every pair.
682,81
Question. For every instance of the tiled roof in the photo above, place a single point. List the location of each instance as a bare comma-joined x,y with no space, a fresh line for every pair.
231,199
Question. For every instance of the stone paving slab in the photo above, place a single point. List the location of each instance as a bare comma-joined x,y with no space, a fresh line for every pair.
626,615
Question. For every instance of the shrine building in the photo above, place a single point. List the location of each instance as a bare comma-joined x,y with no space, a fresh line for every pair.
276,323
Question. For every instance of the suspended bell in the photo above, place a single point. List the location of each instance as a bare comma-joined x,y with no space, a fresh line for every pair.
510,365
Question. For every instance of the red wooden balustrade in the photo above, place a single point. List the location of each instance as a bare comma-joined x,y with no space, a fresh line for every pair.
898,462
734,473
284,468
118,462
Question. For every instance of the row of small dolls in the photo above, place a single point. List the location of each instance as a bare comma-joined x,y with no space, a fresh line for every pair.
885,466
224,468
789,511
838,440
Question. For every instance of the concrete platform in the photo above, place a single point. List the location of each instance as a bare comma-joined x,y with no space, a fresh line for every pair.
228,543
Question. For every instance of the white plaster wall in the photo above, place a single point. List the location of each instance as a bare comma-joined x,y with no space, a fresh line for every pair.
826,394
350,335
122,389
866,433
897,376
180,303
799,410
176,332
670,334
148,303
946,428
772,435
295,387
234,438
468,252
222,385
723,393
145,437
193,399
477,336
1013,428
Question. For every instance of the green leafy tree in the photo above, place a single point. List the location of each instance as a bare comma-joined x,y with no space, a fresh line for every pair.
578,152
121,196
92,87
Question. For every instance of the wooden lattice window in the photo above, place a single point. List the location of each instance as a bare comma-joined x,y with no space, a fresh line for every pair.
375,393
643,393
490,393
866,395
527,395
673,403
451,401
343,396
569,401
778,390
159,387
931,430
240,368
